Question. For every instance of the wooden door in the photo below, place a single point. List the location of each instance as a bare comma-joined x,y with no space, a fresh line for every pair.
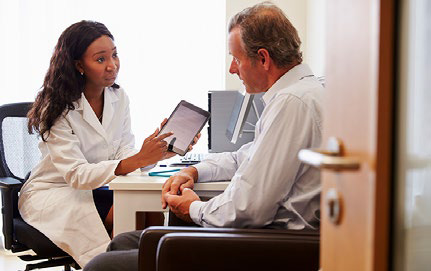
358,111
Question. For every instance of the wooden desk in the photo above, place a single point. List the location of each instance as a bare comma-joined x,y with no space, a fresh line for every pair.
138,192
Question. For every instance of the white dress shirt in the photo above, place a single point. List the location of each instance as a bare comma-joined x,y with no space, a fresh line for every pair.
269,186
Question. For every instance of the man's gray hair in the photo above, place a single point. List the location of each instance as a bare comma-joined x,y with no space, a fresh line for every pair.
266,26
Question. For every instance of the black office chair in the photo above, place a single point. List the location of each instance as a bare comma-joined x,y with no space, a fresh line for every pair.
18,155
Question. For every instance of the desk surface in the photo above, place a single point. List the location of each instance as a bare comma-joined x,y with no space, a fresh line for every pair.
138,192
141,181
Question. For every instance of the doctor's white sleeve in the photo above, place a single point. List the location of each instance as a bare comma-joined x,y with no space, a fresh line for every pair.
265,178
64,148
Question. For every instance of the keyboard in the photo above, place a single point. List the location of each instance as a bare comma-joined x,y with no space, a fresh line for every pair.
190,158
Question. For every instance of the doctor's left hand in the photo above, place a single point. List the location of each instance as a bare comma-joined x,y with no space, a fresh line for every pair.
195,140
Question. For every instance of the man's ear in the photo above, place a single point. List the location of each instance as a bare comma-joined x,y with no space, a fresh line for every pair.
78,66
264,58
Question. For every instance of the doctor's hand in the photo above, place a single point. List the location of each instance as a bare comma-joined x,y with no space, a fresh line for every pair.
153,149
180,204
176,183
168,154
195,140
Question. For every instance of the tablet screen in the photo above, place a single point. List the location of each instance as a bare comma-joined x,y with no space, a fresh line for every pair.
185,122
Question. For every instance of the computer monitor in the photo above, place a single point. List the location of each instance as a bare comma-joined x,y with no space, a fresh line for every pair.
238,118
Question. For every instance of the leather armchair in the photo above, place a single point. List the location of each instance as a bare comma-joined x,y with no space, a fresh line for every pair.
191,248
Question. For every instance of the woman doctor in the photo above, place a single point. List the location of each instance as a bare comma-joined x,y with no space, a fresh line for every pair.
83,119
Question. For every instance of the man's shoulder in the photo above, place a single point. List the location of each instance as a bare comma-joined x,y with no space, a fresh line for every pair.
304,93
303,89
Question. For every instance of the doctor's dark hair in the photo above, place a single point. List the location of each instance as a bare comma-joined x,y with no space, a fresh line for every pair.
266,26
63,84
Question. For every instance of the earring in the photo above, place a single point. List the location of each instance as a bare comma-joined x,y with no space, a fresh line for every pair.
82,73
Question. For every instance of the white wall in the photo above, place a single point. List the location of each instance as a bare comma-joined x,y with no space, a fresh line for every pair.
169,50
316,31
412,197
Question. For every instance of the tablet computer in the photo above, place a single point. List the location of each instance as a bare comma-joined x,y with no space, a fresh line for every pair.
186,121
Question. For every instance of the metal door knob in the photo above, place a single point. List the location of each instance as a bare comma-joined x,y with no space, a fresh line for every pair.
332,158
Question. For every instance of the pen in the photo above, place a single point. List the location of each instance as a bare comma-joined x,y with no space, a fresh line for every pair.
158,173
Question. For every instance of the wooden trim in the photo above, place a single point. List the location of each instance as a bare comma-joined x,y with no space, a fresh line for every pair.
384,165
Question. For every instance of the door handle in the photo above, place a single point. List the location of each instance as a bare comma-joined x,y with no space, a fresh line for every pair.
333,158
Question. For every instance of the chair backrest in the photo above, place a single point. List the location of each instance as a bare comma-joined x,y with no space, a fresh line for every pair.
18,149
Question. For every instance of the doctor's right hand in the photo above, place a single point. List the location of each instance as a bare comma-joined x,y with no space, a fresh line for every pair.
176,183
154,148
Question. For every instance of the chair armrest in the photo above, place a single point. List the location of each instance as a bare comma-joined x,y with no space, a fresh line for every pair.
150,238
242,251
9,191
161,230
10,183
149,241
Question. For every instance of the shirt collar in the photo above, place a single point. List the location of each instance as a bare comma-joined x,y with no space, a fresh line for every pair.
109,97
289,78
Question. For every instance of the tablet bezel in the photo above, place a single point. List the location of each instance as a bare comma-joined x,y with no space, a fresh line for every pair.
195,109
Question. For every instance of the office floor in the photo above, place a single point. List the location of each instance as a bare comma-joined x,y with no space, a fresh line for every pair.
13,263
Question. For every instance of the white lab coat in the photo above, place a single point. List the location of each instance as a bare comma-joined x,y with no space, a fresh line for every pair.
80,155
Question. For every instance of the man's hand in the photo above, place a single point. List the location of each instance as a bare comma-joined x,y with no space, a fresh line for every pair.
183,179
180,204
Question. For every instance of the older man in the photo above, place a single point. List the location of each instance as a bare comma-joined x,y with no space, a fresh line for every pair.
269,186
